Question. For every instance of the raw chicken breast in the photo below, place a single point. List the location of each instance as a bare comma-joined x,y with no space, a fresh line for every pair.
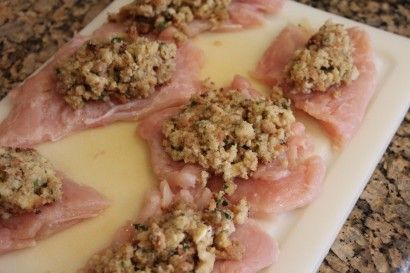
272,189
177,174
268,6
299,187
77,204
40,114
260,251
340,115
248,13
343,114
269,69
164,196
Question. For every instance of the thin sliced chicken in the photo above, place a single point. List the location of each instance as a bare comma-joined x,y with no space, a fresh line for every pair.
283,187
77,204
164,196
248,13
340,115
178,174
269,69
268,6
40,114
260,251
300,186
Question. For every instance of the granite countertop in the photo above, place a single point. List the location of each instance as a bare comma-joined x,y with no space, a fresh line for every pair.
376,236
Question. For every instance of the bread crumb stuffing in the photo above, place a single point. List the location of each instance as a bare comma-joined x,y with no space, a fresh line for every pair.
116,69
147,16
325,62
227,133
182,239
27,182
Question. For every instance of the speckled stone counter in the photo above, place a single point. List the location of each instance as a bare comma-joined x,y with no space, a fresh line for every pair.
376,236
32,30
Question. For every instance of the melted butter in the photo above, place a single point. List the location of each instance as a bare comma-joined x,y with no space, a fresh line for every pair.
236,53
115,162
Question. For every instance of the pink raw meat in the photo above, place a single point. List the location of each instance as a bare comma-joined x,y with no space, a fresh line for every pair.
269,69
40,114
301,180
340,115
164,196
273,188
260,249
268,6
178,174
245,15
268,198
260,252
77,204
249,13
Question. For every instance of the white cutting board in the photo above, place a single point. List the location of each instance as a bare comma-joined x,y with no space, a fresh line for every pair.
116,162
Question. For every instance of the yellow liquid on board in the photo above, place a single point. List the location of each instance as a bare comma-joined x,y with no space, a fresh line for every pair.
115,161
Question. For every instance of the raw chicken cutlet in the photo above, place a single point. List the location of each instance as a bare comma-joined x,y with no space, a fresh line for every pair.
272,188
39,112
177,236
260,252
36,202
340,109
182,19
78,203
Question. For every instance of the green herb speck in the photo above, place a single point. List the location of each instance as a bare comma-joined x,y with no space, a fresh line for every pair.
36,185
116,40
227,216
141,227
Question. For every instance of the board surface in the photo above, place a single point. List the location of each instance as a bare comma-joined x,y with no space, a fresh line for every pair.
115,161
